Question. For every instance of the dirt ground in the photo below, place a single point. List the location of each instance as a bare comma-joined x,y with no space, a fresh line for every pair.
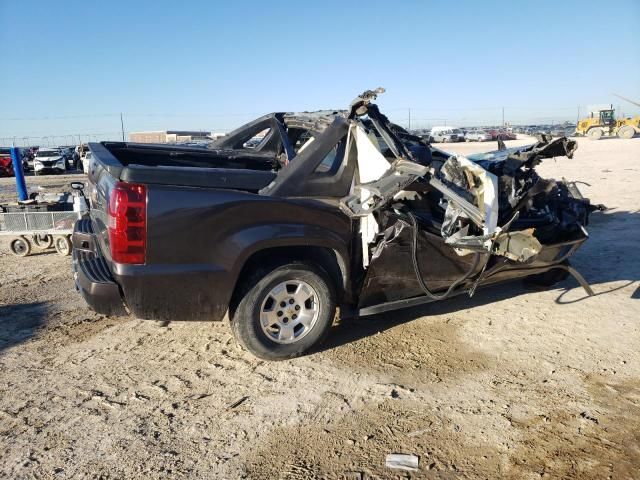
511,383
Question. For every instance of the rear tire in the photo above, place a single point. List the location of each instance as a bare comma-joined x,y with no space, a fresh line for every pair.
20,246
62,243
283,311
595,133
626,132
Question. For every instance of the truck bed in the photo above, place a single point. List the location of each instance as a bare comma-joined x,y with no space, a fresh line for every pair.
185,166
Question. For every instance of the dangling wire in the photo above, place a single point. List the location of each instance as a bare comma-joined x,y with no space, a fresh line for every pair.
416,266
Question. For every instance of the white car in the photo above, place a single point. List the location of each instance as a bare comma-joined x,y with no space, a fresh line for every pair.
445,134
477,136
49,160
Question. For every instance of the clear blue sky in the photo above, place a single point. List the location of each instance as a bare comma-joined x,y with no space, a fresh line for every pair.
214,65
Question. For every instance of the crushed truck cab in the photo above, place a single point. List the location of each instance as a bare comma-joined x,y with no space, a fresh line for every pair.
295,215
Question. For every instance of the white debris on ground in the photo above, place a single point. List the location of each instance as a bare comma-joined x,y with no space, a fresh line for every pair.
402,461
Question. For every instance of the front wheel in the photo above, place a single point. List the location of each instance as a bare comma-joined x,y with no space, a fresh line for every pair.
595,133
284,311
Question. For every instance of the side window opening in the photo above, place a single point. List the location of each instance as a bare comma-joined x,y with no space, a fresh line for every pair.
299,138
332,160
257,139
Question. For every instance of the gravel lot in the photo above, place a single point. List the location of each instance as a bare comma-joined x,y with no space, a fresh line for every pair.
511,383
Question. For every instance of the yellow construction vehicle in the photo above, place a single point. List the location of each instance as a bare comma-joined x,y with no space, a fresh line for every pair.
603,122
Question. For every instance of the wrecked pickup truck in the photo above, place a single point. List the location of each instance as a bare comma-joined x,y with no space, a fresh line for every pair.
295,215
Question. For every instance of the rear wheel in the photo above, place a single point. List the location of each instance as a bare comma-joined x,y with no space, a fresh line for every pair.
626,132
20,246
595,133
43,241
284,311
62,243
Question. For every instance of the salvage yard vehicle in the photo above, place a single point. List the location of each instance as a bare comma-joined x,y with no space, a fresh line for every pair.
445,135
333,209
49,160
6,164
501,135
603,122
477,136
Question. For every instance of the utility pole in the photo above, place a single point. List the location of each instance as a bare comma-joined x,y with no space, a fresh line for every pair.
122,126
503,116
409,119
578,117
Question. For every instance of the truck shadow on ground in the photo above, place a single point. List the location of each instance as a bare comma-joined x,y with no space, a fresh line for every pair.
20,322
354,329
607,257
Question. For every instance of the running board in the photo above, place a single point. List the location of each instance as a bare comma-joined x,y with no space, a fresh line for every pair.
424,299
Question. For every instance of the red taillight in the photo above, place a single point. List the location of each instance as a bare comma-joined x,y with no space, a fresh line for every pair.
128,223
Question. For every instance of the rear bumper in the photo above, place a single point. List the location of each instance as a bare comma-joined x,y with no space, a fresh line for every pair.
152,292
91,273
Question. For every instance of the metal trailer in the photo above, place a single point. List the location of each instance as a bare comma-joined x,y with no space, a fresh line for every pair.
39,229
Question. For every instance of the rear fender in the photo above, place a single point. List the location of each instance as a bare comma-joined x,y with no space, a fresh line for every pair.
289,238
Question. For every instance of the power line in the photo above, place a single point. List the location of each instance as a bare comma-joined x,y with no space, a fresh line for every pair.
152,115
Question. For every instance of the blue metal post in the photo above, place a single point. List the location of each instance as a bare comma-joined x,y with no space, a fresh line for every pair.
21,186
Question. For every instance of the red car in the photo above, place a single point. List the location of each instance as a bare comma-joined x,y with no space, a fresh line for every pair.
6,166
502,134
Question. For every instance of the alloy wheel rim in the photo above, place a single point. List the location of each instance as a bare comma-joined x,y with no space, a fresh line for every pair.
289,311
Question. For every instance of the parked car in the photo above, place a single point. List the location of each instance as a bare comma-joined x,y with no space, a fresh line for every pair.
459,134
6,164
69,155
477,136
72,156
282,234
444,135
501,134
49,160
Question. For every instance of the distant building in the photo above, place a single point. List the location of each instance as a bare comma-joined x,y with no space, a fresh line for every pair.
168,136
